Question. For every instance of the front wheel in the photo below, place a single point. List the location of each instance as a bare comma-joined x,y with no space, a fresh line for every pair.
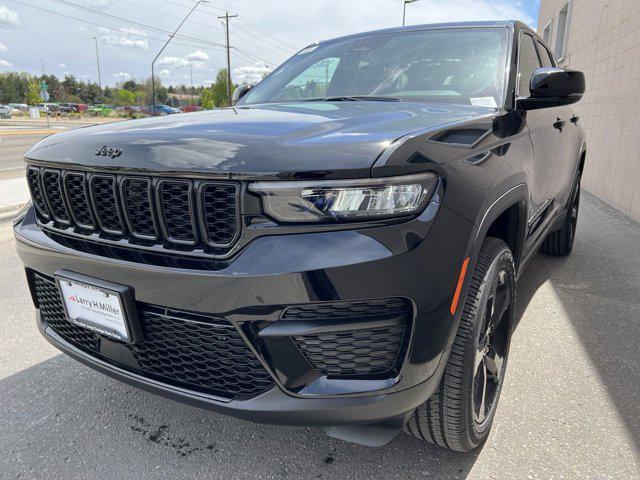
459,415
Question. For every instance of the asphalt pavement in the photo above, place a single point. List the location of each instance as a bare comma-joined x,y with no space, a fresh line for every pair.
570,407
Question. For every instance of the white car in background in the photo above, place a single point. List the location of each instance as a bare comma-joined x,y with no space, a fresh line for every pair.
20,107
5,111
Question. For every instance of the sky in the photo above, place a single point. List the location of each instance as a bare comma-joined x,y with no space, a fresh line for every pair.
59,34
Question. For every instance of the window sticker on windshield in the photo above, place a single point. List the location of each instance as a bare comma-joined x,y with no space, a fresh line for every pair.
484,102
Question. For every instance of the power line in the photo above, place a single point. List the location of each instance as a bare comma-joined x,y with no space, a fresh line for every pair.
260,29
246,22
89,22
253,57
215,48
134,23
141,25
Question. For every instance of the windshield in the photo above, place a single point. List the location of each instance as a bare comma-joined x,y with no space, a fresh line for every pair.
449,65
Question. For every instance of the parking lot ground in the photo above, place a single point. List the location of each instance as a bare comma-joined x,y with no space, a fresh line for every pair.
570,407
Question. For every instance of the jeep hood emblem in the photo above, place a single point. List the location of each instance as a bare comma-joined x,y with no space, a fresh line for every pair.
108,152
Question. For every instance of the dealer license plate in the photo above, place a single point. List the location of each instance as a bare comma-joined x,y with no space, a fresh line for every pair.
96,308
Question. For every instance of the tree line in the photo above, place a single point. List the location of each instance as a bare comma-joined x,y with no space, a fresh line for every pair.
21,87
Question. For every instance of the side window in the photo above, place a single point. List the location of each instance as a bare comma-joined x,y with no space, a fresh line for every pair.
313,82
545,55
528,62
546,33
563,30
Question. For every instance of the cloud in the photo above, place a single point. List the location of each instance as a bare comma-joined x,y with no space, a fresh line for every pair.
122,75
173,62
198,55
8,18
4,63
126,38
250,74
3,47
62,65
164,72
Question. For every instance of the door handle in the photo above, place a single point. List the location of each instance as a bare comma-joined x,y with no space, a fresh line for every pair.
575,119
559,124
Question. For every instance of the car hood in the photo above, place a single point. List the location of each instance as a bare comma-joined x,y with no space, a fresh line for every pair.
332,139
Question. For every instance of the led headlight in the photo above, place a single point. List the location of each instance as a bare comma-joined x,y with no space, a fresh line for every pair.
327,200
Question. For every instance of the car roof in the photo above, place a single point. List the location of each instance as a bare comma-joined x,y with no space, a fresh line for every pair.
512,25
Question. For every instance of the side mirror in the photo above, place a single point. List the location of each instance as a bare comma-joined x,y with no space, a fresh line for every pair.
240,92
553,87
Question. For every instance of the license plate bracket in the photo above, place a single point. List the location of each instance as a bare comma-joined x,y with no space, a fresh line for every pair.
103,307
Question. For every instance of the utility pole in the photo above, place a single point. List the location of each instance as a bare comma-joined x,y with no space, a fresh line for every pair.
226,19
98,63
191,79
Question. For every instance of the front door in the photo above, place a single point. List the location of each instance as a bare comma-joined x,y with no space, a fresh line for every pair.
546,126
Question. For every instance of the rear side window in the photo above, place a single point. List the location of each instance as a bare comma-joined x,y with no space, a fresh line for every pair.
528,62
547,59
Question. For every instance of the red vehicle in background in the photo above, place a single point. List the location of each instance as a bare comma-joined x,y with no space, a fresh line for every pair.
190,108
81,107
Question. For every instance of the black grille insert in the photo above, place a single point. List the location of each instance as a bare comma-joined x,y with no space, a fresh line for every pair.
78,198
344,310
33,180
175,200
52,186
184,349
104,193
362,352
367,338
220,212
136,196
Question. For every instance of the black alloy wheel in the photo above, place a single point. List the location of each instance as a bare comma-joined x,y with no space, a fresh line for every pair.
459,414
560,242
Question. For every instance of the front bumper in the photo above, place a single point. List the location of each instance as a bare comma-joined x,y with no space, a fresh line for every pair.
275,272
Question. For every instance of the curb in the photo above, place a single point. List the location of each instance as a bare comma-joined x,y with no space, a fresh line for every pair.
29,132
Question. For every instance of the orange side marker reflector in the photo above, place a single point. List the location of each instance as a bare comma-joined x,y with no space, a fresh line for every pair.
456,295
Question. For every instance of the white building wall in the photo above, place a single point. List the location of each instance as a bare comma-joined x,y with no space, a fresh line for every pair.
603,40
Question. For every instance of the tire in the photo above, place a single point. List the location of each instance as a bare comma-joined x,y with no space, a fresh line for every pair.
453,418
560,242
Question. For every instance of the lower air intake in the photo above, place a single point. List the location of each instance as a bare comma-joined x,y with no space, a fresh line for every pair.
188,350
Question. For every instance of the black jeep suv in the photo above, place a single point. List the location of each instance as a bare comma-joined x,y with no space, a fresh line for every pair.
339,249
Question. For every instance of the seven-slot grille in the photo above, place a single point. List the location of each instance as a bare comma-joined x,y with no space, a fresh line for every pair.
177,213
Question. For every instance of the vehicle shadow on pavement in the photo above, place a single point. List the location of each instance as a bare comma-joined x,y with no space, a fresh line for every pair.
63,420
598,286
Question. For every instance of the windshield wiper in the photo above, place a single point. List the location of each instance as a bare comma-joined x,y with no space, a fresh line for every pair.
351,98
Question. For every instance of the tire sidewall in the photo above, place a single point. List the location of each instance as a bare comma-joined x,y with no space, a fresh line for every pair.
503,259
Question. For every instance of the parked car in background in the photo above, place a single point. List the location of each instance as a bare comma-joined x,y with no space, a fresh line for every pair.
190,108
81,107
160,110
46,107
19,106
5,111
100,109
67,107
132,109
